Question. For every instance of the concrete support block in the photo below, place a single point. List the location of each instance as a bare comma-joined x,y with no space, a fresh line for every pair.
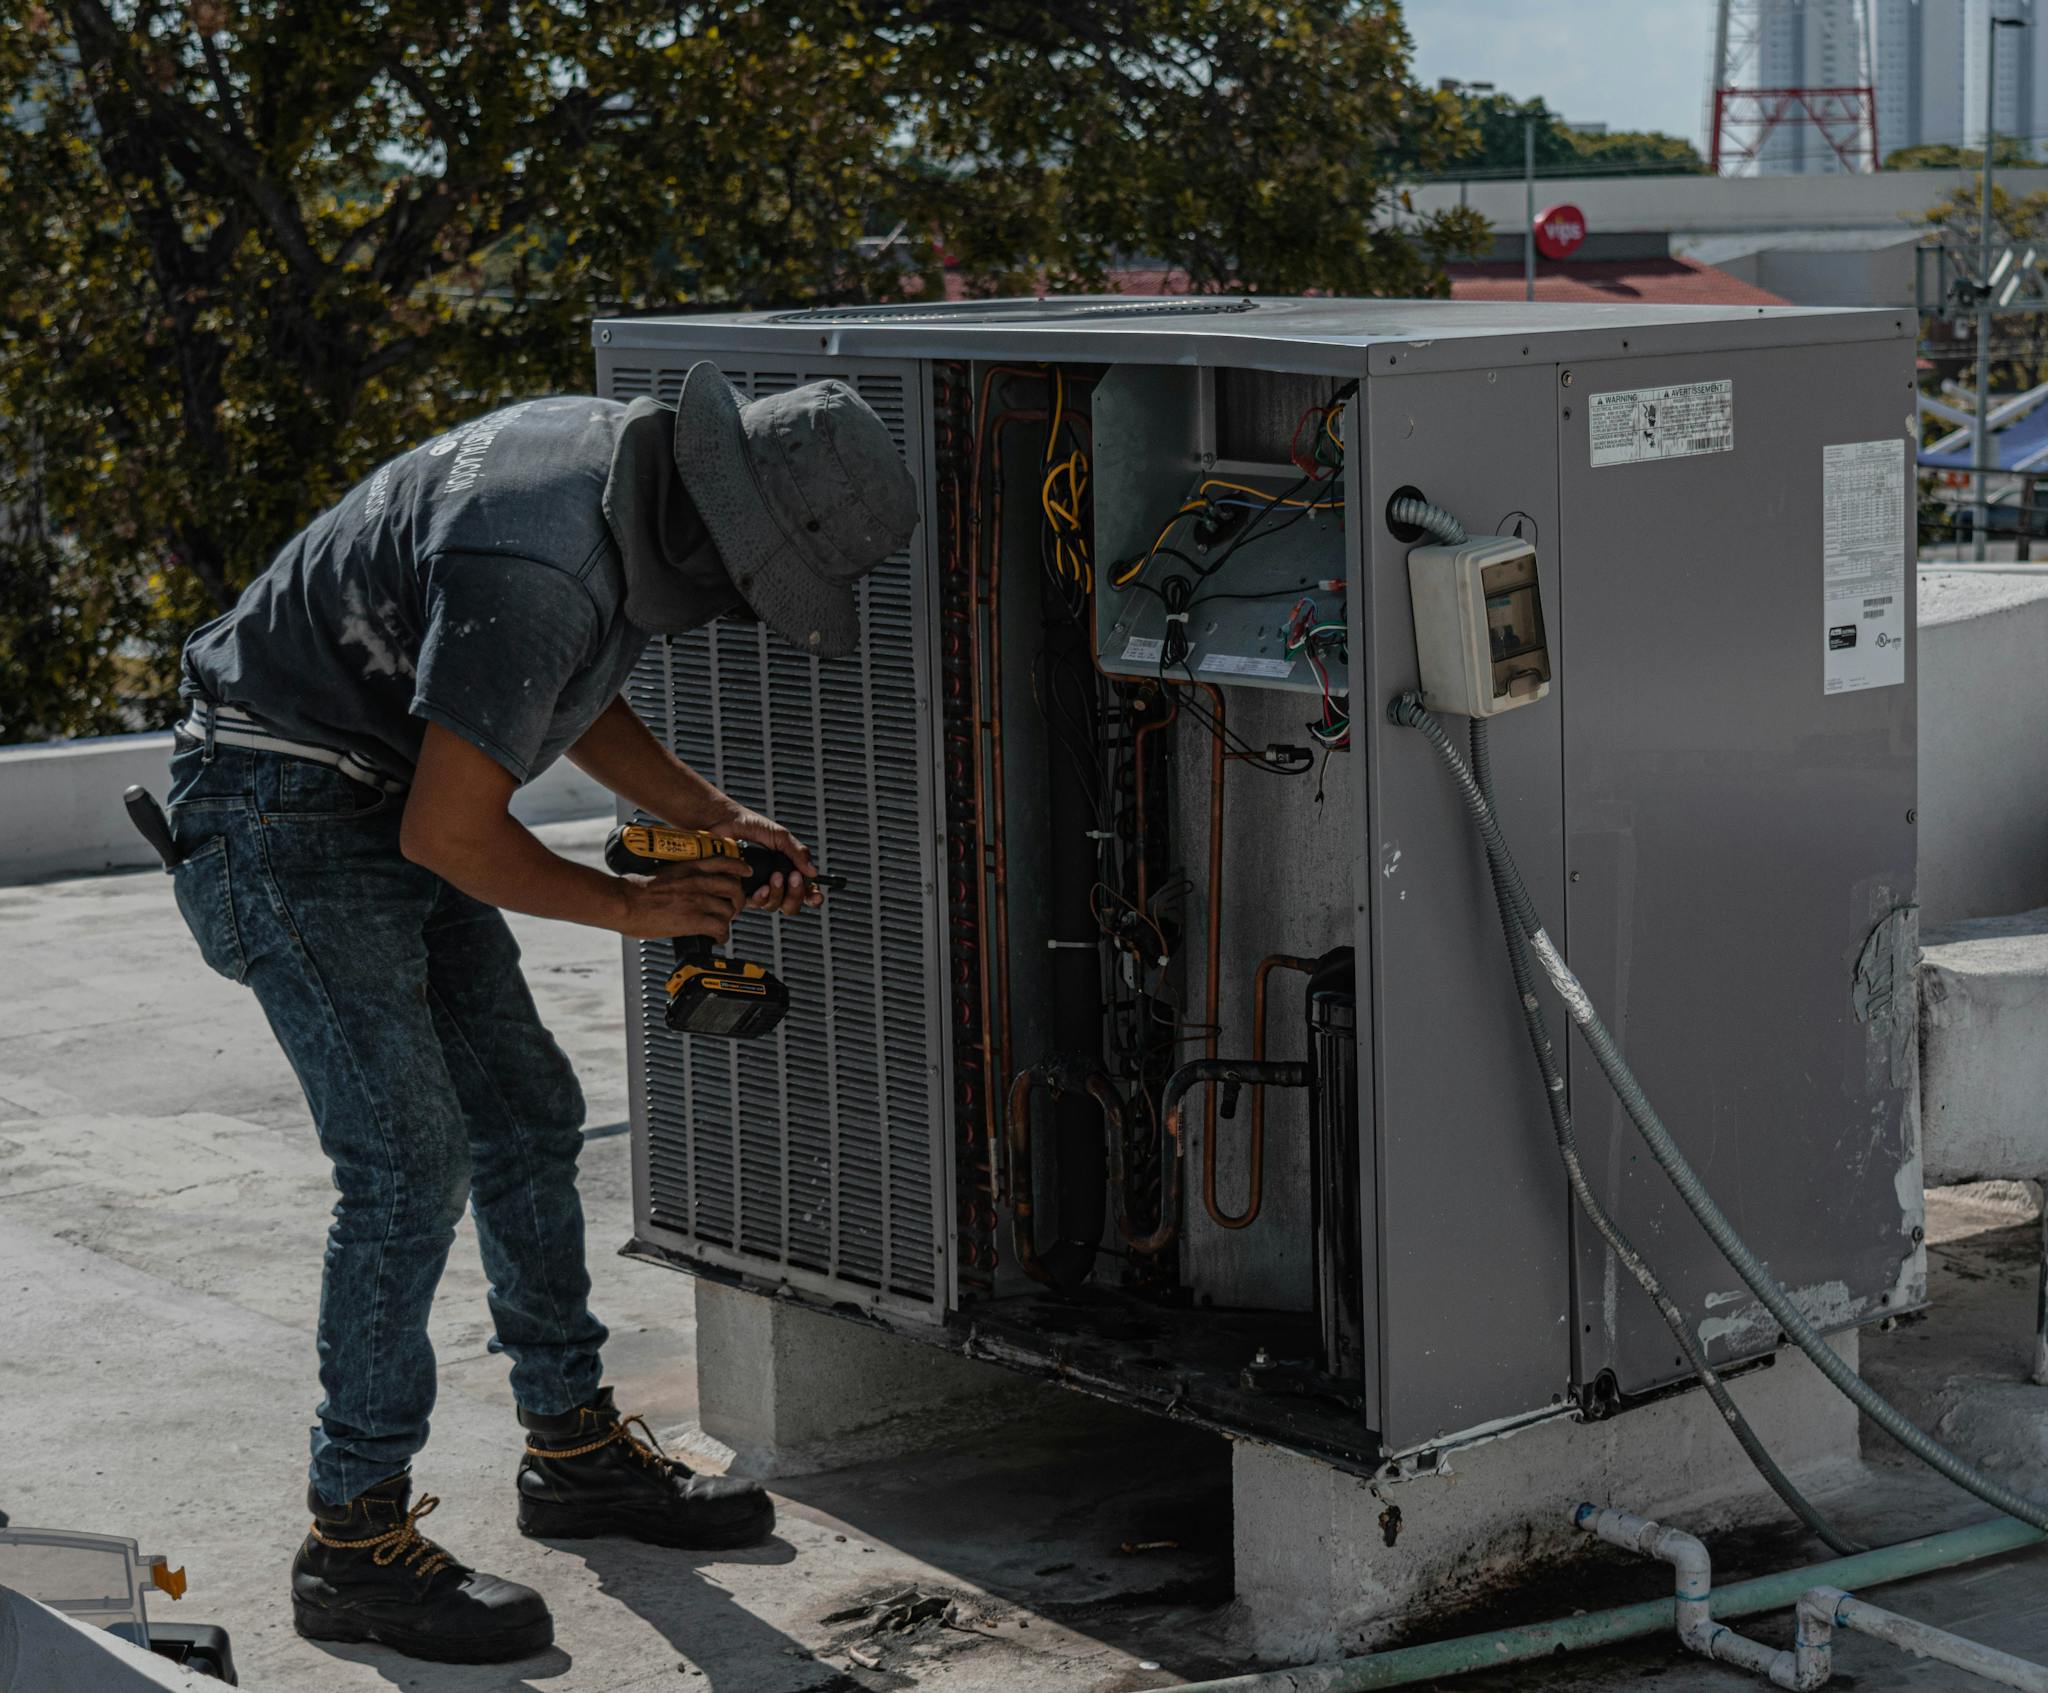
1328,1563
782,1390
1983,759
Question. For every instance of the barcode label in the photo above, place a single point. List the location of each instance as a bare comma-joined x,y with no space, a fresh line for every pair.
1637,425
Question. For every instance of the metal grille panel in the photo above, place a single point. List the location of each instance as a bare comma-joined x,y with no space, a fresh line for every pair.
814,1154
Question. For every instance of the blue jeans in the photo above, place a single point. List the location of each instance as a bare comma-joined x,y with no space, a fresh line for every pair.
432,1083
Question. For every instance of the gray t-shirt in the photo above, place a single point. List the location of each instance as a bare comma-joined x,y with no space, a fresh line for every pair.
472,582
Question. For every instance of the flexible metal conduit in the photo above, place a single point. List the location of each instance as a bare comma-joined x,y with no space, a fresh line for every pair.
1445,527
1407,710
1498,1648
1624,1250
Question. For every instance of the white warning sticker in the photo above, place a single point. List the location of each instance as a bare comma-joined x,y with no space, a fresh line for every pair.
1863,564
1143,649
1231,664
1635,425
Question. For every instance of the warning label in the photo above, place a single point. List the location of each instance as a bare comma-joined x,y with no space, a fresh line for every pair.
1863,565
1635,425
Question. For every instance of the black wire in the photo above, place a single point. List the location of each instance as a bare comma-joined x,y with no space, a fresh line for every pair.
1231,739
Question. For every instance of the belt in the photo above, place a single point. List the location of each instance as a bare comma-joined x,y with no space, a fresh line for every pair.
224,725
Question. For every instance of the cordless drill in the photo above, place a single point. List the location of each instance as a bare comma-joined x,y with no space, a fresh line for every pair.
707,994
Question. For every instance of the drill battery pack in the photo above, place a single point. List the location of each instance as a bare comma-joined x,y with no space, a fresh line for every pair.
709,995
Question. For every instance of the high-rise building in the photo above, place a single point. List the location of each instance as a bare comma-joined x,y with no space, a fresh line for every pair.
1930,73
1809,44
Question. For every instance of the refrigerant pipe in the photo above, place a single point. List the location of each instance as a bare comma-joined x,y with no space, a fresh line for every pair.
1497,1648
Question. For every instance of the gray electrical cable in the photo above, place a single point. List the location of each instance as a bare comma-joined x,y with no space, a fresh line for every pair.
1420,514
1610,1231
1407,710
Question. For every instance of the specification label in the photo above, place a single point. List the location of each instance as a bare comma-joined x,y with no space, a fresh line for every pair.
1635,425
1140,649
1232,664
1863,564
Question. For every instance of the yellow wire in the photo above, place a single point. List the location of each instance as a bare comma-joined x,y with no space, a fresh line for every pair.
1330,426
1261,494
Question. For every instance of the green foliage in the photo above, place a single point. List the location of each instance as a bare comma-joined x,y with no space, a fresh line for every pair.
2019,339
1498,123
2006,154
254,246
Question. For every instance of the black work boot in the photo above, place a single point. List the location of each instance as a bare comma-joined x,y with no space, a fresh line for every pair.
591,1472
366,1573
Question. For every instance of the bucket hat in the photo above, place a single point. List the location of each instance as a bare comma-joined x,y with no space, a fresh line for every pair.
803,493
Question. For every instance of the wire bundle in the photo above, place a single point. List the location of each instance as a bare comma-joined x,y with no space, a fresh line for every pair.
1063,498
1312,639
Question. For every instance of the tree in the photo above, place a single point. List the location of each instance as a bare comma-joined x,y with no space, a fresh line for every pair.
2019,339
256,245
1499,121
2006,154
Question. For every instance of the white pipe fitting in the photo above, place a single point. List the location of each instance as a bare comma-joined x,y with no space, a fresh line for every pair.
1821,1611
1693,1571
1824,1609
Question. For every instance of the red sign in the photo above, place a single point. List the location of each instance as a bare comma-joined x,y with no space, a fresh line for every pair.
1559,231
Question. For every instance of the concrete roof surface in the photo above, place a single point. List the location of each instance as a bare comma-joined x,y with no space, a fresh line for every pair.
162,1209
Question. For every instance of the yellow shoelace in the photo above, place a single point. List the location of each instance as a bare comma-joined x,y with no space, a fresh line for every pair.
642,1445
405,1541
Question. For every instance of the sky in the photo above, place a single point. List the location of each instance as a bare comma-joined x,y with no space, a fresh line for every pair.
1630,64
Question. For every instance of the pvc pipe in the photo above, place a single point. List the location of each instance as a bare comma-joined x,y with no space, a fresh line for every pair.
1827,1608
1467,1653
1693,1572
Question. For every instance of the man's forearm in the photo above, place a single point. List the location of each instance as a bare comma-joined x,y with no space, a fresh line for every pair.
619,751
499,861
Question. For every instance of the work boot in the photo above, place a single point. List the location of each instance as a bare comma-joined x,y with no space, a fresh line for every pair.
591,1471
366,1573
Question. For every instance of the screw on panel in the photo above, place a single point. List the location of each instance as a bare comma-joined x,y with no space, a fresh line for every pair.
1912,814
604,334
1567,413
1566,379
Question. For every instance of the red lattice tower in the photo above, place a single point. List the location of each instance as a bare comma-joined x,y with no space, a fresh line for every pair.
1845,119
1748,105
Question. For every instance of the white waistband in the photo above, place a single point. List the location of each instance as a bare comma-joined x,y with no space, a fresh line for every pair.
225,726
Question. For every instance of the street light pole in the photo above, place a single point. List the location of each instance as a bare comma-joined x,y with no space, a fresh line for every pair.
1981,518
1528,208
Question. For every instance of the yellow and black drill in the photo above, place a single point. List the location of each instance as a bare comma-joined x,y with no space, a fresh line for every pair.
707,994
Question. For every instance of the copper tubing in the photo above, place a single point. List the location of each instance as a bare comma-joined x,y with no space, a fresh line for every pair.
1255,1149
1213,996
1138,778
1001,867
1191,1075
993,1065
1064,1076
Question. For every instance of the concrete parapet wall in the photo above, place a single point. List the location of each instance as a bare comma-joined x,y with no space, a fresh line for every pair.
1983,755
61,814
1984,1049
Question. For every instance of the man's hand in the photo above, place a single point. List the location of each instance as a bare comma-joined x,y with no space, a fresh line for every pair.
619,751
772,895
699,898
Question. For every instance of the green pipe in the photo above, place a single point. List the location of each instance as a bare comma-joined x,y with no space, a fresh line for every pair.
1470,1652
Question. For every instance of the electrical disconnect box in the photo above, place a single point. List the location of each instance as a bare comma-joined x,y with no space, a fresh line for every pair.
1161,1039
